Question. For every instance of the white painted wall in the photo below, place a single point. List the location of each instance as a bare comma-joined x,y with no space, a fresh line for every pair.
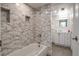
55,19
60,35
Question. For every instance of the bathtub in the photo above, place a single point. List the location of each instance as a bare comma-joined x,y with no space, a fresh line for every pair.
31,50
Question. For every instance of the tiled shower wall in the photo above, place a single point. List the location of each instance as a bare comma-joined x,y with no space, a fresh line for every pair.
42,26
19,32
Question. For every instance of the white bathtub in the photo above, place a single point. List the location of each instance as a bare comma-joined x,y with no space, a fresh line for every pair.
31,50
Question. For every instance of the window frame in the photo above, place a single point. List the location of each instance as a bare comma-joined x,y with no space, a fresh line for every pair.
63,20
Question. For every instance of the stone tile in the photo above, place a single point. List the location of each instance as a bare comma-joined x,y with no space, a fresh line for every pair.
18,30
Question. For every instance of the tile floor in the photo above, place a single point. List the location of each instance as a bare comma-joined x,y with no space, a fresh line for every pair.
60,51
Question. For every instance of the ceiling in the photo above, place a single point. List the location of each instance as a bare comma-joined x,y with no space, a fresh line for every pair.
36,5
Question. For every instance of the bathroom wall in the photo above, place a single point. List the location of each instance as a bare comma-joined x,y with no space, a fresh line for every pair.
19,32
46,24
43,27
60,35
47,19
55,17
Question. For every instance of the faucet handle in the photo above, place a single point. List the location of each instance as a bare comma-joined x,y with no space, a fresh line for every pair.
75,38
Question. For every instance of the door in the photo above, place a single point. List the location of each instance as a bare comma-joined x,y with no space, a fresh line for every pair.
75,33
